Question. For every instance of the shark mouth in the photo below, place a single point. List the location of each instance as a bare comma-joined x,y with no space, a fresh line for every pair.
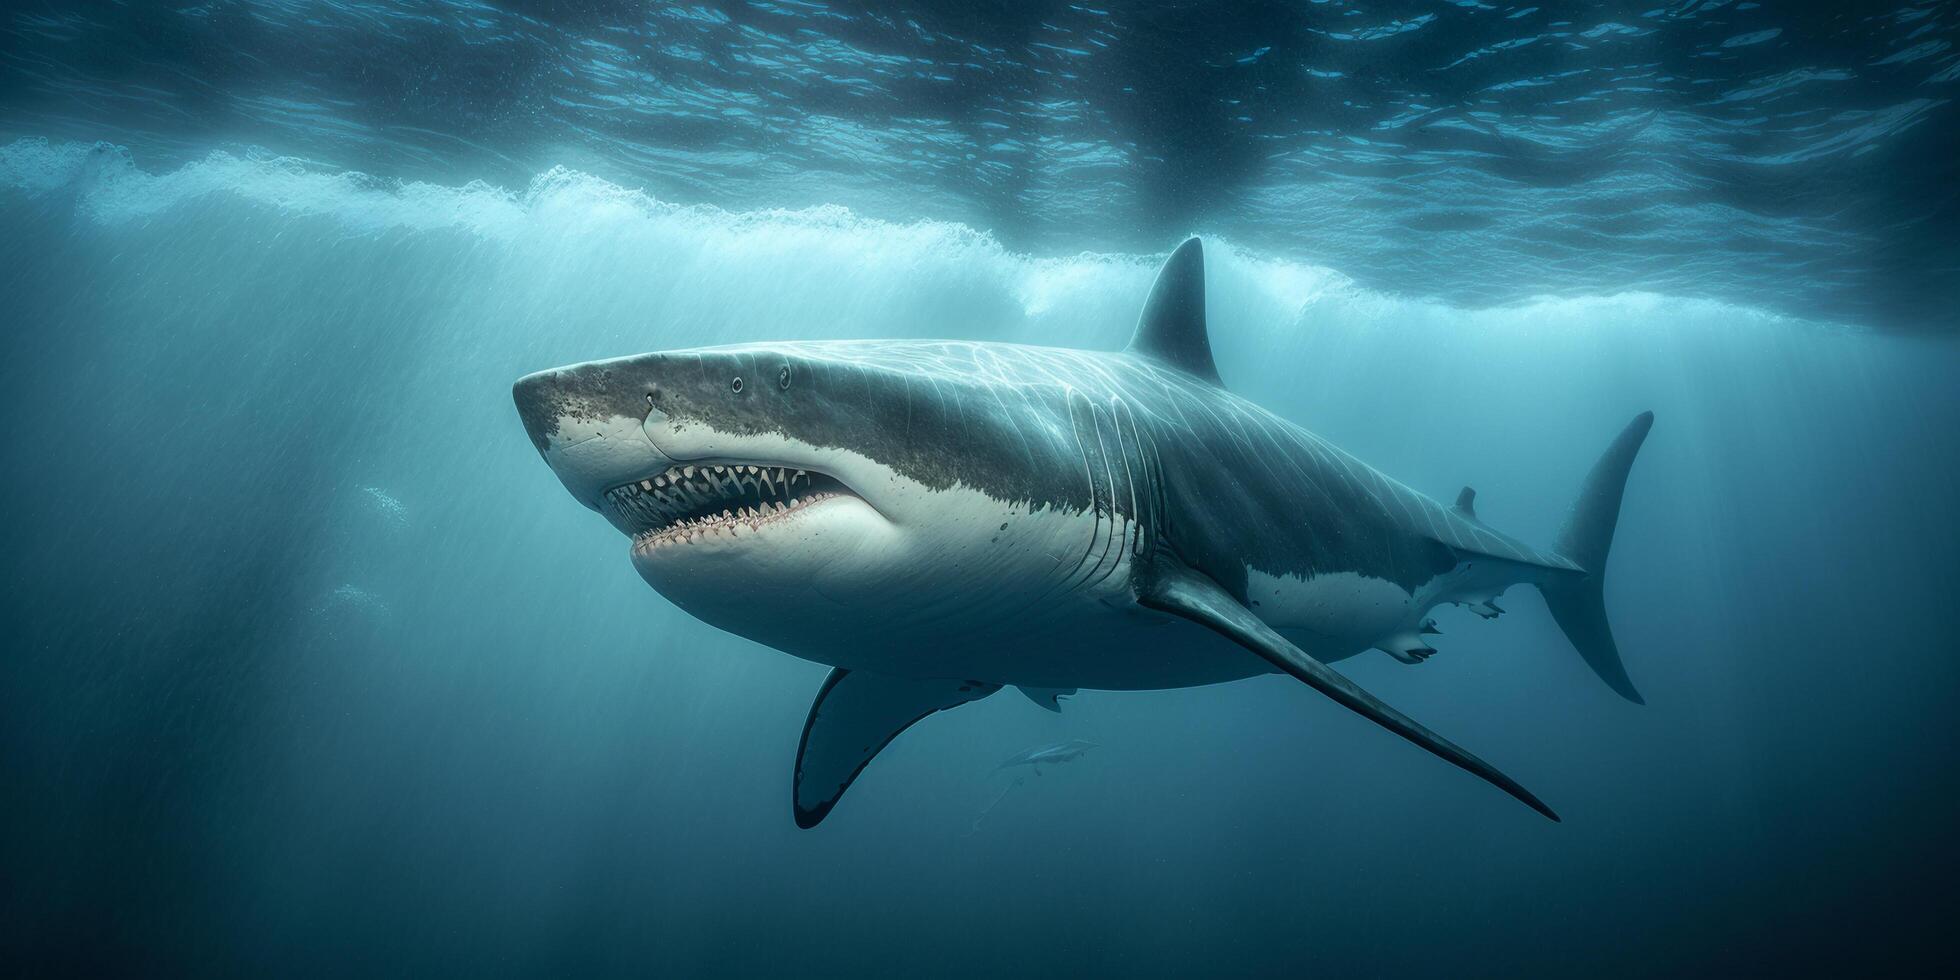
689,503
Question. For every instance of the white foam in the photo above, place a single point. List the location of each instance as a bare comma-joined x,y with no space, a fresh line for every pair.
717,274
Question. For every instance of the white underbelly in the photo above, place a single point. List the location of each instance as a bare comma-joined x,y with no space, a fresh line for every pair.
1331,614
1100,639
1107,642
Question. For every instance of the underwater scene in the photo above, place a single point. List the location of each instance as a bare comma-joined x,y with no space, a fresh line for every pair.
979,489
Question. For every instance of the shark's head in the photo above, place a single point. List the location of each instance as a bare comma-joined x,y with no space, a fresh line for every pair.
778,491
827,498
703,457
662,444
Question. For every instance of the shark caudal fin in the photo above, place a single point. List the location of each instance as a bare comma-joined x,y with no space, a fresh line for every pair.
1578,603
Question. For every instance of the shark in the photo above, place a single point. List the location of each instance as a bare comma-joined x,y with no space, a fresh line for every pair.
938,520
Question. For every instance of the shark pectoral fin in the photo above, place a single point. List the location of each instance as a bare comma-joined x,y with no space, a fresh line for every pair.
1181,591
1048,697
856,714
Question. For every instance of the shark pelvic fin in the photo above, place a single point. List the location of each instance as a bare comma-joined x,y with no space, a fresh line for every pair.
1048,697
856,714
1409,647
1172,327
1177,589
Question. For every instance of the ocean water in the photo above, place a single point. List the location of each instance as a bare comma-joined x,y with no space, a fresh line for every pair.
312,668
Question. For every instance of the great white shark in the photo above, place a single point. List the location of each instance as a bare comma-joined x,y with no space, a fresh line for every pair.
936,520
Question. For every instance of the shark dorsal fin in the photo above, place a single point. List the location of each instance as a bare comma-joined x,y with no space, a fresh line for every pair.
1466,503
1172,328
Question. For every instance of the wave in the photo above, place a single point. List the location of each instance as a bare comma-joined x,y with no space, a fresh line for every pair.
860,273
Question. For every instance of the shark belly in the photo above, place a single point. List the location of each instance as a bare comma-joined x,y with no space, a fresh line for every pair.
1118,645
1339,614
1000,592
1094,637
1332,614
1109,642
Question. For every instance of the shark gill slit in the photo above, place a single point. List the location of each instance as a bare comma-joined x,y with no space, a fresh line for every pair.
1118,520
1156,527
1088,474
1102,498
1149,496
1119,545
1119,411
1098,499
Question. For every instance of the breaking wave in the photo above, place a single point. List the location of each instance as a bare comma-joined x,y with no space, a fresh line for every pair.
858,276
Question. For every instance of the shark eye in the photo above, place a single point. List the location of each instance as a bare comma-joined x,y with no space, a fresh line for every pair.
782,378
736,385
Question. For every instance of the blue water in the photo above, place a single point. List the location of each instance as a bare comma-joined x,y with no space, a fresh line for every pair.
313,668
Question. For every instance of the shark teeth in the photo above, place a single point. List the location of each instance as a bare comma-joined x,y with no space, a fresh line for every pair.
695,502
734,522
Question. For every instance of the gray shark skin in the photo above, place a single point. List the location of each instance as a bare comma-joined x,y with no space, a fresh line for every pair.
1055,754
939,519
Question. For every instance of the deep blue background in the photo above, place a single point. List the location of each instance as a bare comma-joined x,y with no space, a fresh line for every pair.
312,668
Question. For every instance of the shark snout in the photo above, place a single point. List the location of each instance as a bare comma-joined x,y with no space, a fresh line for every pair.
587,421
536,396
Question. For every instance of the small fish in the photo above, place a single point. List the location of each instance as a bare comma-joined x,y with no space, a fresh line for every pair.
1059,752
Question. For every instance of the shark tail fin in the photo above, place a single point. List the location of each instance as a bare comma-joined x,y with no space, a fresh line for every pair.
1578,602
